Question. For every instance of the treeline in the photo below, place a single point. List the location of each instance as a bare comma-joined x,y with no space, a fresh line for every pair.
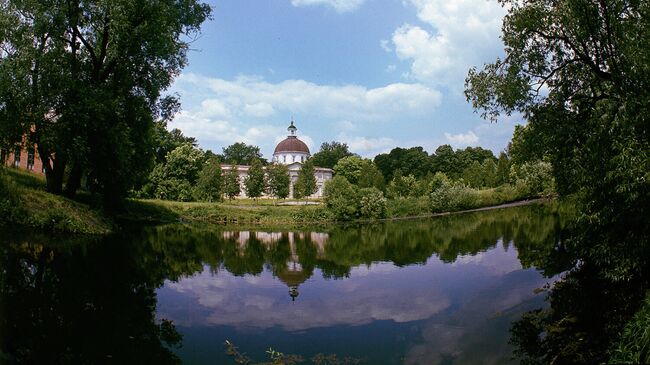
410,181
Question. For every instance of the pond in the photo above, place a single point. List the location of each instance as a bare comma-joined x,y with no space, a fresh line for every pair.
441,290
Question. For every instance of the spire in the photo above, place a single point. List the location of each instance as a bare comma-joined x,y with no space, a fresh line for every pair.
292,128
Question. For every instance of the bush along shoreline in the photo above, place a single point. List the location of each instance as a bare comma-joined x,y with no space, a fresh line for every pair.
408,197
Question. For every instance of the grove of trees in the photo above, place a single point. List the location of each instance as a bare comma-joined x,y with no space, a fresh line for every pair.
84,79
577,72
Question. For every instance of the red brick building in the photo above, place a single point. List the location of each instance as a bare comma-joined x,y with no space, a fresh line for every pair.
23,158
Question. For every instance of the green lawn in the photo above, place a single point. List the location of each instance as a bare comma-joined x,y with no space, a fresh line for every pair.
40,209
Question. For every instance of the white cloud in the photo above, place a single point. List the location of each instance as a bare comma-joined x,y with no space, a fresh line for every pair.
227,300
346,126
259,110
384,45
214,108
368,147
341,6
252,110
459,34
462,140
215,133
303,97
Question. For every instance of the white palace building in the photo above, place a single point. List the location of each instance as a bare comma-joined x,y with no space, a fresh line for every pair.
291,152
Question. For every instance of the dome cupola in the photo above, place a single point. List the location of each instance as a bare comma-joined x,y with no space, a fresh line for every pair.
291,149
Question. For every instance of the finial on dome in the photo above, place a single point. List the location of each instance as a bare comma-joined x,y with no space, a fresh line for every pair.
292,128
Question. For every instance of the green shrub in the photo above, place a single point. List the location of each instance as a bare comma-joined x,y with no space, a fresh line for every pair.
634,345
533,178
408,207
451,197
312,214
402,186
175,189
341,198
372,203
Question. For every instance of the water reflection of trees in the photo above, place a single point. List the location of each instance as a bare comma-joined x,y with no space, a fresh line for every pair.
81,301
533,231
93,300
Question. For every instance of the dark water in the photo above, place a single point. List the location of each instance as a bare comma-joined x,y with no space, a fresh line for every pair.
434,291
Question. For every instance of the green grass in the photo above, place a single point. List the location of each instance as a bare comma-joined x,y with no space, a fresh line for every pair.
161,211
34,207
634,345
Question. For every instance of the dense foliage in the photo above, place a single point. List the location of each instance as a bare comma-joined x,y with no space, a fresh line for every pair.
577,71
330,153
255,181
209,186
242,154
175,179
305,185
231,183
83,80
278,180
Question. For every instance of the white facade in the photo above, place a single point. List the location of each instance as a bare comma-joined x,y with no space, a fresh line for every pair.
291,152
322,175
287,158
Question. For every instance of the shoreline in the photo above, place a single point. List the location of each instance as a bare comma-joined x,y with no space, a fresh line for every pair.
41,211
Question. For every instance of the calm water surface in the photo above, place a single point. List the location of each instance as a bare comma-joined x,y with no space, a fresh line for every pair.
435,291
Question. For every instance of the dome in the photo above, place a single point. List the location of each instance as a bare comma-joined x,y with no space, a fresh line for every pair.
291,144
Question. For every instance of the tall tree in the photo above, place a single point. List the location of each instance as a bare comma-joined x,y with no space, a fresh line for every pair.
410,161
305,186
445,160
473,175
231,183
503,169
209,186
278,180
577,71
174,179
241,154
255,181
360,171
85,78
165,141
330,153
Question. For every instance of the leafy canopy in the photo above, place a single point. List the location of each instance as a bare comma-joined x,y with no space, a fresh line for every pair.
241,154
330,153
83,79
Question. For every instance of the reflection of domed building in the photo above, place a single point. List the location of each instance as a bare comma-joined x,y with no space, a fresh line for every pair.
291,152
293,275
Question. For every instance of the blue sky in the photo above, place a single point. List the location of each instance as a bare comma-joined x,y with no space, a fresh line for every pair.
375,74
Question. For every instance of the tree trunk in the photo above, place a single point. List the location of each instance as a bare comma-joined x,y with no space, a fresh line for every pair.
54,169
74,181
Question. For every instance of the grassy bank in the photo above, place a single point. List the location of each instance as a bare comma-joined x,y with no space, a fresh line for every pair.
25,202
247,212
